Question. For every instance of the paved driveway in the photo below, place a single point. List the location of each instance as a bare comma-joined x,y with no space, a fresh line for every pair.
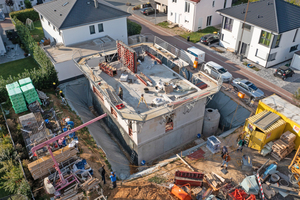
160,17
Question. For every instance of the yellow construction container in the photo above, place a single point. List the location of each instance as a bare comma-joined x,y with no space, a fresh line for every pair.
287,111
263,128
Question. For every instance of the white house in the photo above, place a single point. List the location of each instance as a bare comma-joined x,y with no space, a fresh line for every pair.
74,21
196,14
18,5
162,5
270,33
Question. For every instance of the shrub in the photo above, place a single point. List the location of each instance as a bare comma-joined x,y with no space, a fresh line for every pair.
245,63
27,4
22,15
133,28
41,78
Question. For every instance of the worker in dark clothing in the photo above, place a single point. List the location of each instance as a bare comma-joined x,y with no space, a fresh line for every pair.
226,159
120,93
102,173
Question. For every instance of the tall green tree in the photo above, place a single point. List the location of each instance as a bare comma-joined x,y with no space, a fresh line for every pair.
27,4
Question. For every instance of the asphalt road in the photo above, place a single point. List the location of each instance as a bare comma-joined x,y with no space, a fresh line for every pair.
234,69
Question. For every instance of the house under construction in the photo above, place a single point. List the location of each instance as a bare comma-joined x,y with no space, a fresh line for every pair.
159,110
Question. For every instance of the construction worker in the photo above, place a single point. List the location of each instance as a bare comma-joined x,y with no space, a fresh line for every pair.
120,93
224,150
102,173
240,144
54,86
62,97
226,159
113,179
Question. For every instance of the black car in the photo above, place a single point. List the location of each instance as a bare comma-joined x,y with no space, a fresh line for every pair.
148,11
284,72
209,39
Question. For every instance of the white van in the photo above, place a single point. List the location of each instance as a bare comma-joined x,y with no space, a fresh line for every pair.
197,53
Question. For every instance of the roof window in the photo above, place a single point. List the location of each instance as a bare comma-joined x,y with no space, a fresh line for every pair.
65,4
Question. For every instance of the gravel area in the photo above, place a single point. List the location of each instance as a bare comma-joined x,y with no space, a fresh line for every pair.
291,84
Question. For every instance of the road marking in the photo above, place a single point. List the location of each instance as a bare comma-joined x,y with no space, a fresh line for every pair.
244,73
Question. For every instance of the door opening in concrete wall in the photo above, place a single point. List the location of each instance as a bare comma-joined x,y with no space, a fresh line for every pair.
130,128
112,111
169,123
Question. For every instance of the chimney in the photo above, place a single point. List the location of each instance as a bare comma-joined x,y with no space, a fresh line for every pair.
96,3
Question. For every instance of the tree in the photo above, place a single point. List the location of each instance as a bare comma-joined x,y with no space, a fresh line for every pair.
133,28
27,4
10,4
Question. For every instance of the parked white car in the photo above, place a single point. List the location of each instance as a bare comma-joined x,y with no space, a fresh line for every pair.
217,71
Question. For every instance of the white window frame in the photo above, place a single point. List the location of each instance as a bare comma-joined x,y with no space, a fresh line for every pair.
187,7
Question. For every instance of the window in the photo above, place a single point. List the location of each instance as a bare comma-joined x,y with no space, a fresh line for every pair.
272,57
208,21
42,18
294,48
174,1
228,24
21,3
92,29
171,14
186,19
54,28
169,123
187,7
100,28
213,4
1,5
59,32
225,2
261,54
49,23
247,27
265,38
295,35
277,40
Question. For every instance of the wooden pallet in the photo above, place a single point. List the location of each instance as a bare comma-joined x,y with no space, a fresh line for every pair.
288,137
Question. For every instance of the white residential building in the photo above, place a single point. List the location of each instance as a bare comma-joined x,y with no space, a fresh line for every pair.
74,21
162,6
270,33
194,15
18,5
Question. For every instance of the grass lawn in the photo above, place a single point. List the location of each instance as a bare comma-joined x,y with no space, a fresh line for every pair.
163,24
37,32
195,36
16,67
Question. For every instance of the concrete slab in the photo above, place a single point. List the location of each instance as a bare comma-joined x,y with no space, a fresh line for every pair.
67,70
62,53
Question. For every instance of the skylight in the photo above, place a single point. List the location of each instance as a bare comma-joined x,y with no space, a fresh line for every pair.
65,4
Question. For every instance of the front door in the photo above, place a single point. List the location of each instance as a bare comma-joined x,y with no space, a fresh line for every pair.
243,49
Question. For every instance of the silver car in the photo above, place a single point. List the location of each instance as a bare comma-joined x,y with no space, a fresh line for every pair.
248,88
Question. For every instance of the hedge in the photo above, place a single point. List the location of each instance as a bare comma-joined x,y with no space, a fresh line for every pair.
42,78
22,15
133,28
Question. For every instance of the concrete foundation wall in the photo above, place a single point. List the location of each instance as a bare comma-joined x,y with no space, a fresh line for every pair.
154,141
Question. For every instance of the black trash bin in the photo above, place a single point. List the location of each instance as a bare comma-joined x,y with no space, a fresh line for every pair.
188,38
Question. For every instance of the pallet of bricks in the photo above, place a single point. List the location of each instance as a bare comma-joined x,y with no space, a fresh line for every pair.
29,90
16,97
284,146
105,67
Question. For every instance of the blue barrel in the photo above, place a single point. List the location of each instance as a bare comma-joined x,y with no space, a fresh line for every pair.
143,162
198,135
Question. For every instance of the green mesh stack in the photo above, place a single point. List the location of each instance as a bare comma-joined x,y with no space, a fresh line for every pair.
16,97
25,81
30,93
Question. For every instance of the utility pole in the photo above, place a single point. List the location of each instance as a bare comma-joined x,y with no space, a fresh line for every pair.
240,41
155,12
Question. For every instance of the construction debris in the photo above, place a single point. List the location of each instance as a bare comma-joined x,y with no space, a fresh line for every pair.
189,166
191,178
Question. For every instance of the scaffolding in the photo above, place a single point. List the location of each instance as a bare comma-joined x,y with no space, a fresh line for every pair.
127,56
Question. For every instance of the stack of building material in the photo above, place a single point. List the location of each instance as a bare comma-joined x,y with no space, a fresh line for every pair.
30,93
41,167
214,180
284,146
25,81
90,184
105,67
16,97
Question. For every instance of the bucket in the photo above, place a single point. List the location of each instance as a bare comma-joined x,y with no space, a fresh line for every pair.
146,90
275,178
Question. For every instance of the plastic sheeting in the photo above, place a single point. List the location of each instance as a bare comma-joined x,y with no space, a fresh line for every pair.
80,98
231,112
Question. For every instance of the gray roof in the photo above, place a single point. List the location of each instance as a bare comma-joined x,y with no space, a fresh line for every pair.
277,16
65,14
